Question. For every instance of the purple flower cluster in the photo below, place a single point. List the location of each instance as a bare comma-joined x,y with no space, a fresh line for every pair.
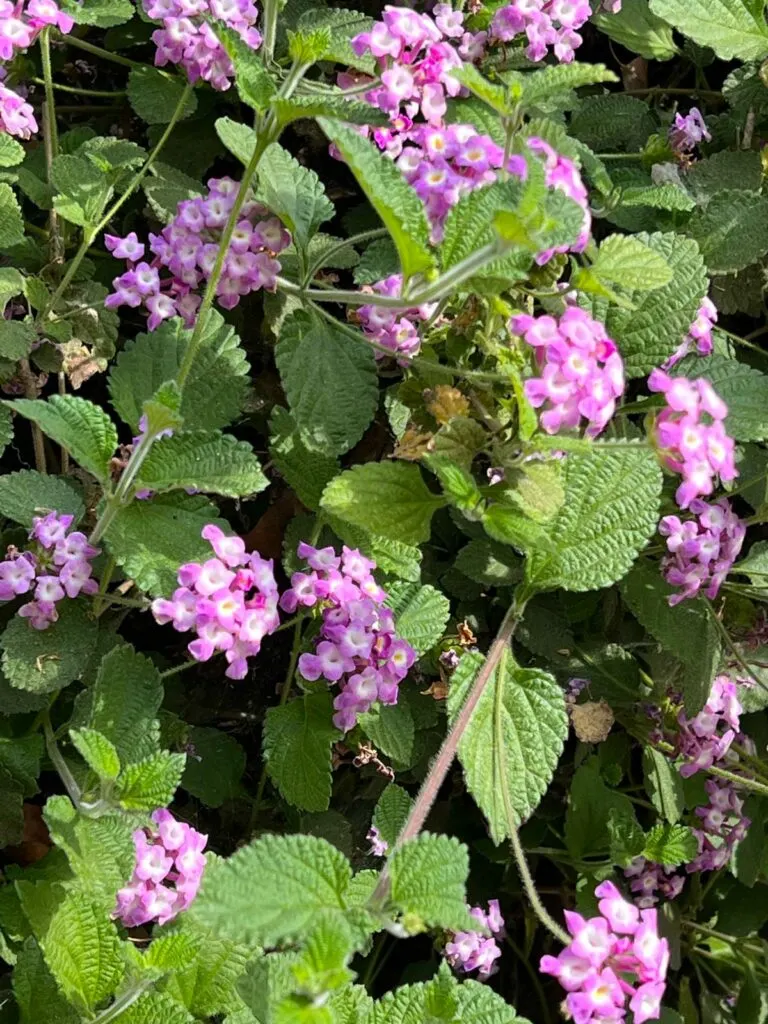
686,132
188,248
187,39
701,550
415,60
545,23
475,951
57,565
723,825
582,373
169,867
393,329
16,115
358,647
708,736
699,334
651,881
691,436
22,22
379,846
230,601
604,953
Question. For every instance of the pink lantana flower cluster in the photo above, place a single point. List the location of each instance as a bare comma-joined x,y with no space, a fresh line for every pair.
188,248
16,115
22,22
187,39
230,601
699,334
690,435
475,951
582,373
57,565
379,845
604,953
394,329
701,550
169,868
358,648
707,737
687,131
545,23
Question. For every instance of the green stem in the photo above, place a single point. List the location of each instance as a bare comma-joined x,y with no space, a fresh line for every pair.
721,773
121,495
50,141
97,51
324,259
178,669
58,761
100,93
121,1004
269,20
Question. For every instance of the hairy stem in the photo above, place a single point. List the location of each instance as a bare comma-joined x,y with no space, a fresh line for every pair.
50,141
58,762
30,391
325,257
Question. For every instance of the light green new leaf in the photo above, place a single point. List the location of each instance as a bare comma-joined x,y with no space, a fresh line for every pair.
154,95
385,498
156,1008
732,231
27,494
611,509
37,994
11,151
297,743
479,1004
639,29
11,221
432,1002
421,614
344,26
732,28
663,784
400,209
238,138
549,81
429,878
206,986
328,105
743,389
626,261
329,380
307,472
151,539
514,738
658,197
391,812
149,784
49,659
85,430
274,888
82,190
254,83
294,193
99,13
202,461
97,751
670,845
686,631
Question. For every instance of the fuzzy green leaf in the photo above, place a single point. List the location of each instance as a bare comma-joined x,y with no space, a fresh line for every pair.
732,232
99,13
613,121
214,767
146,785
50,659
728,169
657,197
294,193
85,430
479,1004
253,82
307,472
489,563
27,494
549,81
11,221
639,29
97,751
732,28
206,986
156,1008
154,95
328,106
344,26
429,877
421,614
391,812
330,383
400,209
514,738
663,785
298,737
670,845
37,994
202,461
592,806
238,138
391,729
626,261
386,498
11,151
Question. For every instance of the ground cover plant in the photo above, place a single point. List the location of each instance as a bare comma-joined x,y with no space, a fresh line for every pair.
382,599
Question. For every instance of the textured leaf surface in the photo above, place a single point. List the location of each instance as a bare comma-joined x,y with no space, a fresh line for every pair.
307,472
664,785
743,389
156,1008
728,169
213,774
391,729
85,430
592,808
27,493
293,193
615,121
207,985
670,845
330,383
610,512
429,877
202,461
149,784
155,95
49,659
487,562
549,81
344,26
639,29
386,498
272,889
97,751
479,1004
11,151
624,260
297,749
151,539
732,231
11,222
421,614
732,28
214,390
36,992
514,738
653,330
400,209
686,631
391,812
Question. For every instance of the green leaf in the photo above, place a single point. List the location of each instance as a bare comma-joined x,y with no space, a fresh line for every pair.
663,785
752,1004
36,991
391,812
11,282
254,84
732,232
386,498
146,785
745,390
307,472
732,28
328,105
214,767
611,122
421,614
670,845
298,737
344,26
20,759
99,13
626,261
329,380
237,137
81,189
433,1002
657,197
165,188
151,539
514,739
489,563
400,209
27,493
11,221
639,29
626,838
16,338
740,168
429,877
479,1004
272,889
589,812
87,433
11,151
549,81
500,97
206,986
154,95
322,964
294,194
97,751
686,630
50,659
391,729
654,329
155,1008
202,461
214,390
610,513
